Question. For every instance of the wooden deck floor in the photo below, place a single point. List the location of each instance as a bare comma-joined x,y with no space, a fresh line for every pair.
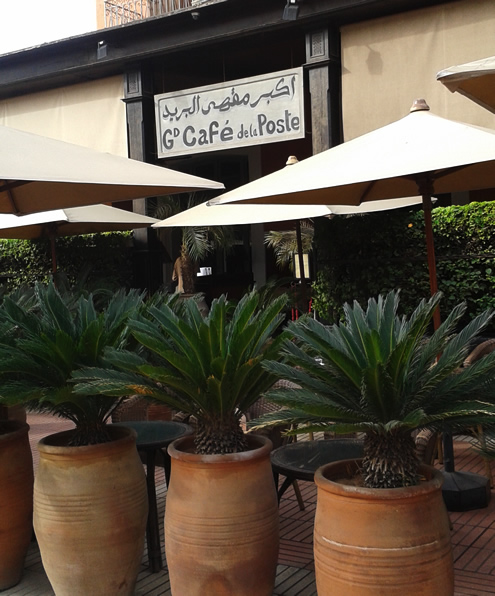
473,538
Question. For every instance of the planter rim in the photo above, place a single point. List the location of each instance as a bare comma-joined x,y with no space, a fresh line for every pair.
433,481
56,443
181,449
9,428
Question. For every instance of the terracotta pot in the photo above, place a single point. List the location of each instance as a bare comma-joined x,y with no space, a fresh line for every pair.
16,500
90,511
390,542
221,522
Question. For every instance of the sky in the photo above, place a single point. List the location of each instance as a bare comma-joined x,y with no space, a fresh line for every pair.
27,23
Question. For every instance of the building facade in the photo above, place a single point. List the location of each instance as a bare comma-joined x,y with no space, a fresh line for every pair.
228,89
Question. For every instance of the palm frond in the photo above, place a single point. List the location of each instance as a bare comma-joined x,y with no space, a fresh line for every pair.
385,369
284,243
212,364
55,336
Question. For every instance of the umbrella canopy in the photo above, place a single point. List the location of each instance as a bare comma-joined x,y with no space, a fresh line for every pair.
208,214
38,173
417,153
475,80
90,219
421,153
70,222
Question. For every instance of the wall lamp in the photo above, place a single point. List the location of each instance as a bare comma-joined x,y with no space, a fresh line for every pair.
101,50
291,10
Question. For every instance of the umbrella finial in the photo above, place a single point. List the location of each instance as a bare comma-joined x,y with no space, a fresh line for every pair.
292,159
419,105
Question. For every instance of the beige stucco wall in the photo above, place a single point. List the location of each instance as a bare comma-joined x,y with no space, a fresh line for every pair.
100,14
388,62
91,114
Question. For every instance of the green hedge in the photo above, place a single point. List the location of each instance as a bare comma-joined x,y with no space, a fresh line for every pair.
362,256
105,260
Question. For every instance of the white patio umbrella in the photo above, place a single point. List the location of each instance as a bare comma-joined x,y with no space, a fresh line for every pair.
475,80
71,222
212,214
38,173
421,153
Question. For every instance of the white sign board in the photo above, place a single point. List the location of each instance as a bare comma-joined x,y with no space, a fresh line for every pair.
265,109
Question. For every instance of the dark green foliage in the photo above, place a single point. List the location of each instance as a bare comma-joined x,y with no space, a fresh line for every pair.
106,260
197,241
209,367
45,337
381,374
363,256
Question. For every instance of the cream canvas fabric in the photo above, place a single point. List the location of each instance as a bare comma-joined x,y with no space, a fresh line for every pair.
38,174
388,163
72,222
475,80
208,214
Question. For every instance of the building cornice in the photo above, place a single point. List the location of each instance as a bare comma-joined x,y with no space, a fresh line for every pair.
75,60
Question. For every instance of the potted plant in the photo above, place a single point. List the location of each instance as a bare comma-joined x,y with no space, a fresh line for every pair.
381,526
16,500
16,480
89,516
221,518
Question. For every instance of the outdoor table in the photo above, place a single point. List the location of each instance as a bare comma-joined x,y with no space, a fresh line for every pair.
300,460
153,437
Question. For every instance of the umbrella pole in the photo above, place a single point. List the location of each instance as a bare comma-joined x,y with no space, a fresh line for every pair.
54,254
291,161
430,252
461,490
448,446
300,257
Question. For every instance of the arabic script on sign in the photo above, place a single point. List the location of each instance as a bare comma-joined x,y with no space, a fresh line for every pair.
234,114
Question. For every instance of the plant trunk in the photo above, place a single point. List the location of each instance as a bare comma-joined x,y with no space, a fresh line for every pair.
390,460
90,434
216,437
185,273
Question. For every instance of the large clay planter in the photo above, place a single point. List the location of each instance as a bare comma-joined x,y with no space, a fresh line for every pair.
387,542
16,500
90,510
221,522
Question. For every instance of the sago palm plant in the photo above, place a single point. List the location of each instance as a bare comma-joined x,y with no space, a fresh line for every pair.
209,367
382,375
43,341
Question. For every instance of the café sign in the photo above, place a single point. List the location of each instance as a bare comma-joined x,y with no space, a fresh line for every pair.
264,109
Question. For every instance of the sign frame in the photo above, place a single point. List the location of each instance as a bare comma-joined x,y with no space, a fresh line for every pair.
267,108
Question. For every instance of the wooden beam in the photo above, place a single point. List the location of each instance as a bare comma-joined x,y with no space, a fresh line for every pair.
76,59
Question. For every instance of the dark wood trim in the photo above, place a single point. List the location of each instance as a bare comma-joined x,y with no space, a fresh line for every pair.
75,59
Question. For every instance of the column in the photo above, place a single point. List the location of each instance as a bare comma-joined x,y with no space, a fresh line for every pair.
138,97
324,72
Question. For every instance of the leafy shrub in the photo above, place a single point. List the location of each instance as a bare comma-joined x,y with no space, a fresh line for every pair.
364,256
106,260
